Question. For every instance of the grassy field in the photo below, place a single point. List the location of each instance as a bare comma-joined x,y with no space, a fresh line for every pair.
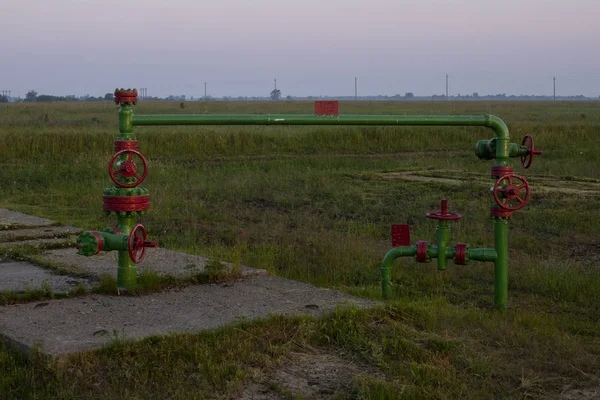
316,204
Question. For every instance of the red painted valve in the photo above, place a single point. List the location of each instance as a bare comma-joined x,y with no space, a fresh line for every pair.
527,159
127,168
444,215
137,243
511,191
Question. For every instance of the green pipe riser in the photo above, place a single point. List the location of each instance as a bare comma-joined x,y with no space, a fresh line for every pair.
501,264
126,122
442,238
126,270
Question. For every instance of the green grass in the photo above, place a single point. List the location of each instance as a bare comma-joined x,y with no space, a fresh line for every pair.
316,204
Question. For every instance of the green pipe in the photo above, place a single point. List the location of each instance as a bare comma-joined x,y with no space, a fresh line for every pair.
501,264
489,121
442,238
126,122
386,267
482,255
126,271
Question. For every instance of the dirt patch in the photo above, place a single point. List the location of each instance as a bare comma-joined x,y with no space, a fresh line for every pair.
557,185
581,394
319,375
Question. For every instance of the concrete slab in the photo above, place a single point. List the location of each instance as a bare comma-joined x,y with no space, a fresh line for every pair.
8,217
22,276
39,242
159,260
84,323
49,232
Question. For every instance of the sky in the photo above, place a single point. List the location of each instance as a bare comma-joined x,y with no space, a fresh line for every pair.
312,47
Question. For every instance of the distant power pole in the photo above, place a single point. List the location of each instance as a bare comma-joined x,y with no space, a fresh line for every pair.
355,88
275,83
204,90
554,79
446,86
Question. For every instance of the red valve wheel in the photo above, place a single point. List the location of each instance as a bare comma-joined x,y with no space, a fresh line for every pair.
444,215
504,195
127,168
527,159
137,243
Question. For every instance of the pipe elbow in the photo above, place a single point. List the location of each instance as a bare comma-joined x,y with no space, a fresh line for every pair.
396,252
497,125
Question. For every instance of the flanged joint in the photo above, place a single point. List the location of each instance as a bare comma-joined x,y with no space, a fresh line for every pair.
501,170
125,96
460,257
422,247
90,243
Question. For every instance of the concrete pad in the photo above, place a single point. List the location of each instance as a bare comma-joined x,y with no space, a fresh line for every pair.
21,276
159,260
39,242
84,323
8,217
49,232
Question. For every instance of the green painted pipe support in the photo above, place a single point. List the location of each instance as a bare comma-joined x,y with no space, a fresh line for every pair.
386,267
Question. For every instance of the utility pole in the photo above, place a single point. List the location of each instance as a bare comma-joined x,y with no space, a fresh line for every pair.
355,88
446,86
204,90
275,83
554,79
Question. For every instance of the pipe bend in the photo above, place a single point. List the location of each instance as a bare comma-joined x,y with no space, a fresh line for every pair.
498,125
386,267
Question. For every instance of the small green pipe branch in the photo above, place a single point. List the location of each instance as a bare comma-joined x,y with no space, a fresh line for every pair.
433,251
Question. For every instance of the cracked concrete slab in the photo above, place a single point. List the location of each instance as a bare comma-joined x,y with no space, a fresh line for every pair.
41,243
84,323
8,218
159,260
22,276
47,232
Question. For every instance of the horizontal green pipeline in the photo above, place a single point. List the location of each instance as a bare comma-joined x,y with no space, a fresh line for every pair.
490,121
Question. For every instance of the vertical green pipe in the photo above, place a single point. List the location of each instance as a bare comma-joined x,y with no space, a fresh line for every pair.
501,264
126,121
386,267
126,271
442,238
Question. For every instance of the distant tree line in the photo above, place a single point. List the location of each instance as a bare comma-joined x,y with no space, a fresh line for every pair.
33,96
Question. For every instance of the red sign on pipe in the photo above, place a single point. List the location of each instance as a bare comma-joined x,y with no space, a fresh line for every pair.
327,107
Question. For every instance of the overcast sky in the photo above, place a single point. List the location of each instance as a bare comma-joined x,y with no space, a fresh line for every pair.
312,47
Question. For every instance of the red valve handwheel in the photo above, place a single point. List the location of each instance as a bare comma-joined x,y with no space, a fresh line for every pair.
137,243
127,168
511,192
444,215
527,159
